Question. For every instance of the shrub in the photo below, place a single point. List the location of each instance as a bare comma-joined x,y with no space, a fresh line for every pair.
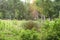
29,35
9,31
30,25
52,29
49,31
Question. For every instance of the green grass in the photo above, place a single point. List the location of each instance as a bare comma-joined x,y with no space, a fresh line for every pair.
11,29
14,30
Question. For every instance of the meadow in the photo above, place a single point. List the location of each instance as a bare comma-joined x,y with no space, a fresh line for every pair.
27,30
29,19
13,30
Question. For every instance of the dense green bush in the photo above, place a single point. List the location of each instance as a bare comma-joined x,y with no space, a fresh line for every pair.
29,35
31,25
20,35
52,30
11,30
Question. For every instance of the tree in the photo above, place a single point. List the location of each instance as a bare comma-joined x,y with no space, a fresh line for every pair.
50,8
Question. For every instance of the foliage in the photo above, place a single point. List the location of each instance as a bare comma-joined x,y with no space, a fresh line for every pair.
14,9
52,30
50,8
31,25
14,30
29,35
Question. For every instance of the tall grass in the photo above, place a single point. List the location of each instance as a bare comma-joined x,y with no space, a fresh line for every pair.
14,30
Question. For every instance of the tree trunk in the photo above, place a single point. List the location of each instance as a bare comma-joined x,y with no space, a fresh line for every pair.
59,14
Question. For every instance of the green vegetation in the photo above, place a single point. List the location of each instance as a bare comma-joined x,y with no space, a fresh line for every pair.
29,19
16,9
14,30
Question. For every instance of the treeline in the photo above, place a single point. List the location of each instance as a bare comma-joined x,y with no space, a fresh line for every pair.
16,9
13,9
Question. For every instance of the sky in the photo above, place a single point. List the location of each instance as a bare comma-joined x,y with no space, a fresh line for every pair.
52,0
31,1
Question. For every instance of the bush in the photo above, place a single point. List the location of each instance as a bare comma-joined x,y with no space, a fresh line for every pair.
29,35
52,30
11,31
30,25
